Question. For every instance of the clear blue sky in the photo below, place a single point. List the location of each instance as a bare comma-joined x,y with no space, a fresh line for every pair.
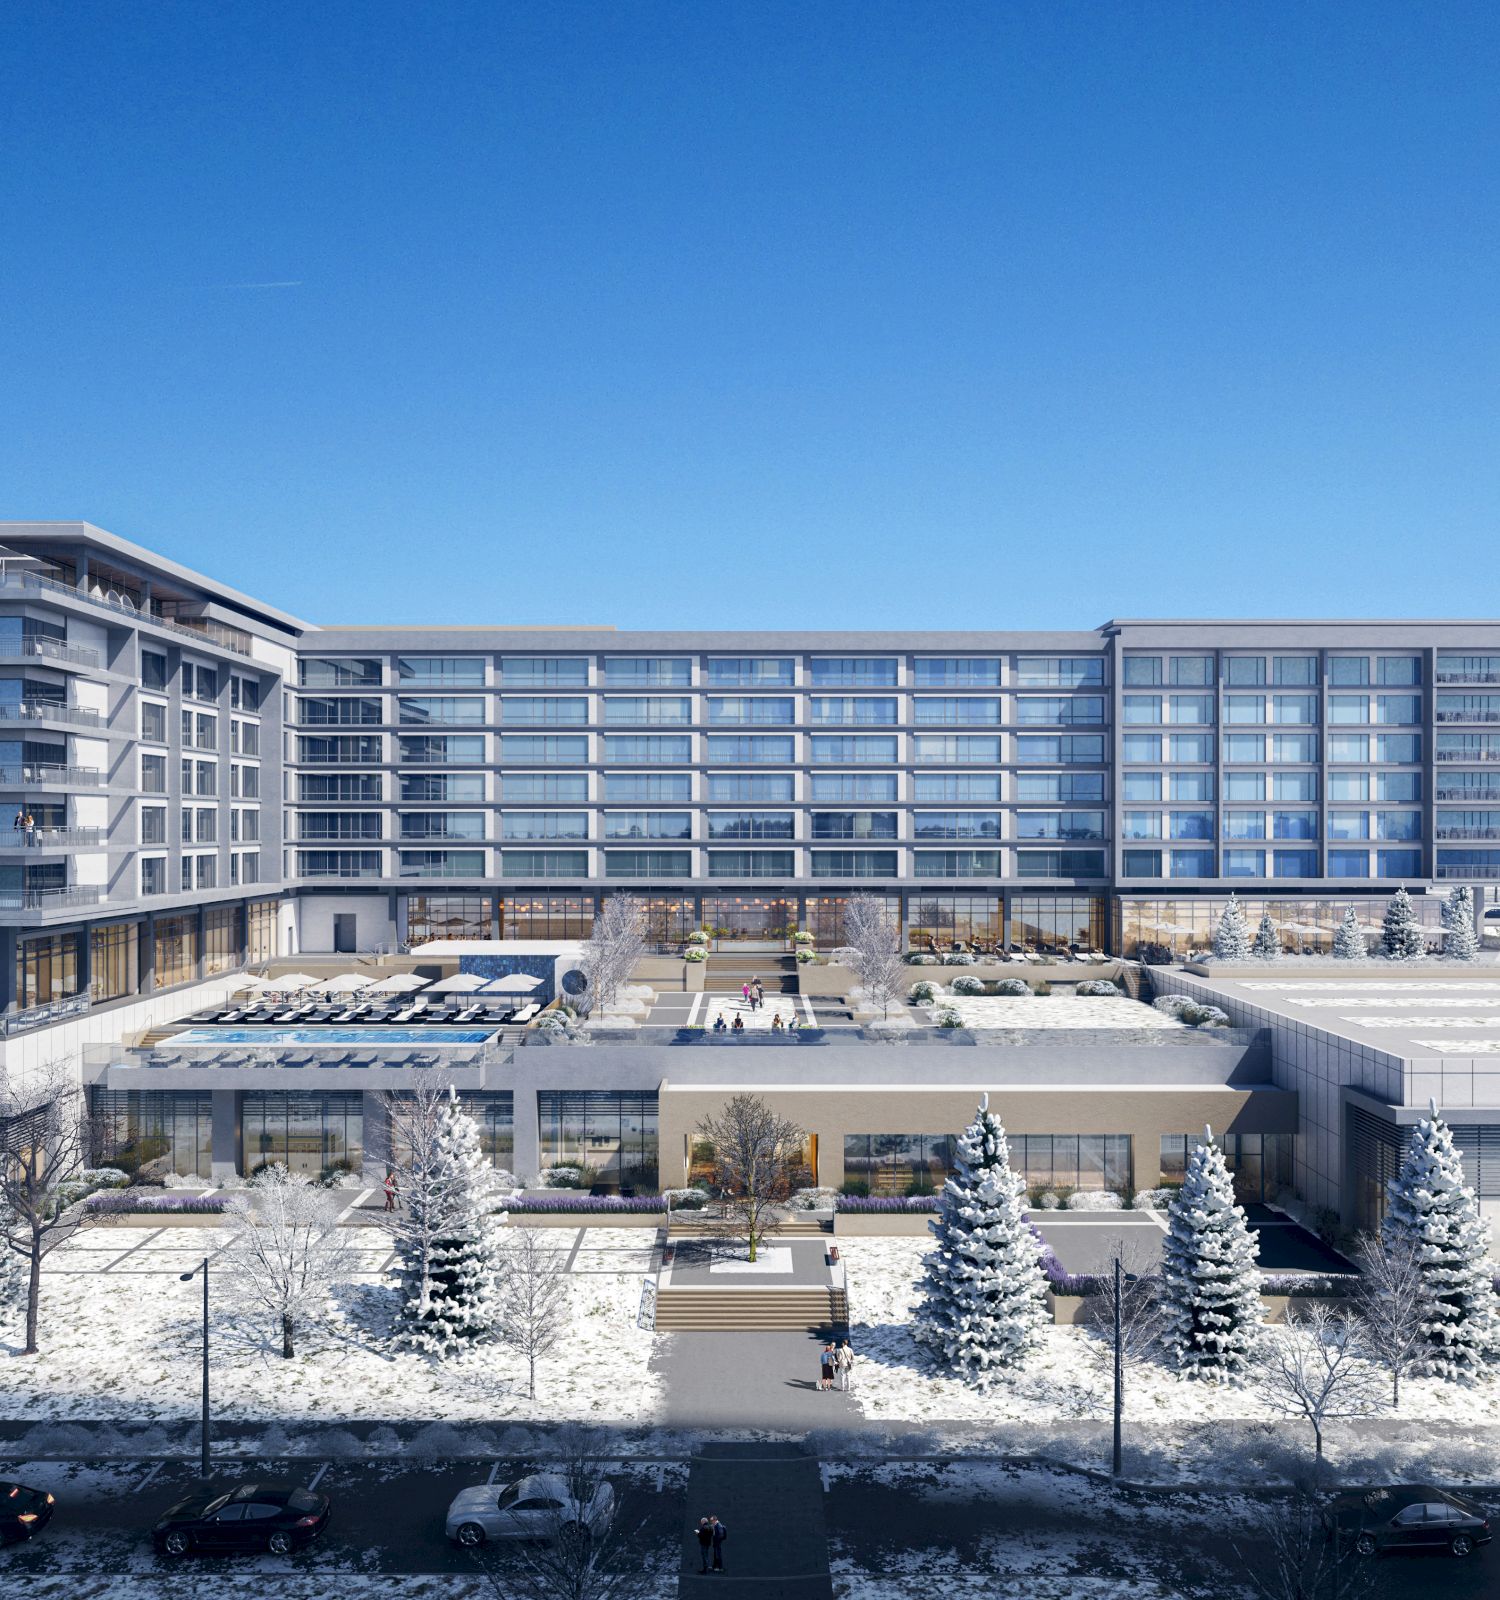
751,314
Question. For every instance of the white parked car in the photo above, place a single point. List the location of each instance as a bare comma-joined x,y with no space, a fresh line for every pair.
540,1507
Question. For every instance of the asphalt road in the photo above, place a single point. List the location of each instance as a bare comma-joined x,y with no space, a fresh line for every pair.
929,1523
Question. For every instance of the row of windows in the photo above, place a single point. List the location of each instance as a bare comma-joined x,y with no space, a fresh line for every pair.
1147,787
1255,671
1271,825
736,672
1252,863
1151,749
1290,710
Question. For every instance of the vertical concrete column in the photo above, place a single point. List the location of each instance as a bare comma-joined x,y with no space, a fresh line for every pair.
1145,1160
226,1133
527,1157
377,1135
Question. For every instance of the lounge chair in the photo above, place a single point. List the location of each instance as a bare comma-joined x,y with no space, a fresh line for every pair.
469,1015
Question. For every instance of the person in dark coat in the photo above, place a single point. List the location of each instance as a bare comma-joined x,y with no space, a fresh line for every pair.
720,1534
705,1541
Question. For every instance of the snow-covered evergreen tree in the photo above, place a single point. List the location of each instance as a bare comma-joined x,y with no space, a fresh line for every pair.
1461,942
1267,946
1210,1287
447,1248
1429,1203
1401,936
1349,938
1232,936
982,1302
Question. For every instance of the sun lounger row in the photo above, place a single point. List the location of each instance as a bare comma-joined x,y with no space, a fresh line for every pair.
369,1013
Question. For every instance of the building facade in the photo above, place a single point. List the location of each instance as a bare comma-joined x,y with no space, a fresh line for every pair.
197,780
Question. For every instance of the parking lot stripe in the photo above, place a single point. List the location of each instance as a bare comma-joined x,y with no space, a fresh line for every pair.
317,1477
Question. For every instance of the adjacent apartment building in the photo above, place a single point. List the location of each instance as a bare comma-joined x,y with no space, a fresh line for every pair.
196,780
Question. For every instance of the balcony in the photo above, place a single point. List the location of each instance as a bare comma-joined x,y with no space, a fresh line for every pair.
50,711
1468,716
1467,872
49,777
1468,794
1466,833
1467,755
42,1016
1442,677
51,899
200,630
49,650
53,839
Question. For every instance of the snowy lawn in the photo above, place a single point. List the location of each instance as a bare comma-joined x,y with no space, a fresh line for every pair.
1056,1011
121,1340
1067,1378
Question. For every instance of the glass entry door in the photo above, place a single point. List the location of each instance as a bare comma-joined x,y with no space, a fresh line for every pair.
750,922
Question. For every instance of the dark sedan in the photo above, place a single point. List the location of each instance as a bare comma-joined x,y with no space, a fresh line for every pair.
23,1511
1412,1517
255,1516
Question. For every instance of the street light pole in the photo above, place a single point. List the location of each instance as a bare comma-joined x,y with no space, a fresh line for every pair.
187,1277
1119,1373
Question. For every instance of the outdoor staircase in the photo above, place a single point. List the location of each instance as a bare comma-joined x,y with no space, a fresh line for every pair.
726,971
752,1310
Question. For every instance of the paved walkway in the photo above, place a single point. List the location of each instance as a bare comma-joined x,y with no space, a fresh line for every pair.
770,1499
750,1381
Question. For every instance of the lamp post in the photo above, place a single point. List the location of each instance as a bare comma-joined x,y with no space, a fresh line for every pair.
1119,1375
187,1277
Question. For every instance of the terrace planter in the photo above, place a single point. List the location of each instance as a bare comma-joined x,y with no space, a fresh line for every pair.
873,1224
156,1219
1067,1309
588,1219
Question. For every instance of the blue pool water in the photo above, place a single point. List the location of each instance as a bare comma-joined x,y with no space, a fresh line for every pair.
285,1036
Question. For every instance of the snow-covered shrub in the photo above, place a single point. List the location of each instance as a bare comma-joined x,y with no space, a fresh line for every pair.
697,937
813,1199
686,1199
806,955
1192,1013
566,1175
1095,1200
923,992
1041,988
695,952
1013,988
916,958
947,1017
1172,1004
958,958
981,1309
553,1022
106,1177
1153,1199
1097,986
968,985
802,936
1049,1201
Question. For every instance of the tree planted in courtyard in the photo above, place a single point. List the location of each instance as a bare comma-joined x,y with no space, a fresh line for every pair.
872,951
1401,935
44,1148
1312,1369
1461,943
613,949
532,1302
757,1158
981,1308
1210,1285
1232,936
1267,945
1349,937
286,1252
1431,1208
1390,1295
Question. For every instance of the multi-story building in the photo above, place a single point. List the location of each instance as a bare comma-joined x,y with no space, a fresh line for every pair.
198,781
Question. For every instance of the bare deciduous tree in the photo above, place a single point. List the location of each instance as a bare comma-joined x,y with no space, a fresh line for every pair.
756,1154
613,949
872,950
1139,1307
533,1298
613,1561
1390,1299
44,1147
1296,1556
1313,1368
286,1252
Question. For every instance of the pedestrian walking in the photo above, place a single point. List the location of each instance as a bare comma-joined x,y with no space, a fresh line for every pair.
720,1534
845,1364
745,993
825,1367
705,1541
760,992
390,1191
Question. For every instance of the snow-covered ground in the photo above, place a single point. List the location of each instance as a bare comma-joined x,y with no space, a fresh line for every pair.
121,1340
1068,1378
1056,1011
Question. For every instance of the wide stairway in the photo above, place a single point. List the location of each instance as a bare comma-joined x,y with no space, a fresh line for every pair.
753,1310
727,970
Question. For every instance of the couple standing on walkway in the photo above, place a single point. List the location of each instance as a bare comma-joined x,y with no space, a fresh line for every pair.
711,1536
836,1359
754,993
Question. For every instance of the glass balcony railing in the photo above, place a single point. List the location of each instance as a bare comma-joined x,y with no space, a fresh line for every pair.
49,711
27,776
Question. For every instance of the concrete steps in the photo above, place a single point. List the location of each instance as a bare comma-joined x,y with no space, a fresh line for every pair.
754,1310
686,1225
725,974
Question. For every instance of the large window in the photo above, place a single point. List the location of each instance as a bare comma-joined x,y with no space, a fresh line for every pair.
649,864
752,825
525,824
956,672
175,950
750,864
648,825
541,788
896,1163
652,788
449,916
773,749
648,672
650,711
1055,922
133,1128
751,672
956,864
611,1133
221,940
547,916
945,921
307,1133
544,672
740,710
853,672
853,788
543,864
1053,1161
1160,930
261,921
350,672
1060,672
114,960
648,749
495,1113
532,711
46,969
444,672
1260,1164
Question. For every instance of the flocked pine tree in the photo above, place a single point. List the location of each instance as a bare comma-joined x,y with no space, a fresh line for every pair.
1210,1286
1401,936
454,1302
1349,938
1461,943
982,1301
1429,1203
1267,946
1232,936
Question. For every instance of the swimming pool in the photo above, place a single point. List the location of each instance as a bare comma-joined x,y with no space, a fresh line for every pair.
345,1036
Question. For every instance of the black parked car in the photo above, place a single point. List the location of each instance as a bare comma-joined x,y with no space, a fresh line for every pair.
1412,1517
23,1511
255,1516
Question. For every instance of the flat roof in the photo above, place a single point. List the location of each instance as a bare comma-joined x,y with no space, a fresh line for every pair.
1447,1011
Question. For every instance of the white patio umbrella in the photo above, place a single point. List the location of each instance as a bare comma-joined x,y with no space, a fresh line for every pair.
513,983
398,983
346,983
294,980
252,982
459,983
